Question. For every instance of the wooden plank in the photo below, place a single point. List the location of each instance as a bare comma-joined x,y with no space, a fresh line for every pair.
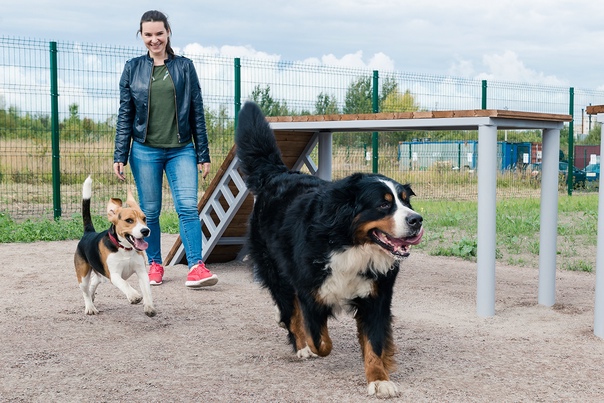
595,109
433,114
464,114
442,114
422,115
533,116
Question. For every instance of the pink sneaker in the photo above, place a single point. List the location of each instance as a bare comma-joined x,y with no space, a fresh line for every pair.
156,273
200,276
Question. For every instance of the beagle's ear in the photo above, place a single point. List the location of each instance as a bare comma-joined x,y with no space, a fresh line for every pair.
112,208
130,201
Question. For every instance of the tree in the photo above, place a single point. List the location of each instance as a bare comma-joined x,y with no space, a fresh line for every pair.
594,135
74,113
397,102
220,128
270,107
359,97
326,105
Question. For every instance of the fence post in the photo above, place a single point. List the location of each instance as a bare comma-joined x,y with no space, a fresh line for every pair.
484,94
571,143
376,109
54,126
237,89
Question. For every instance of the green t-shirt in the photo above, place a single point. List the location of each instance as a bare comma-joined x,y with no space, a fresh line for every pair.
162,128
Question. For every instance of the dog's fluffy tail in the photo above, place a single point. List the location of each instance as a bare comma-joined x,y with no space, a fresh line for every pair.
257,148
86,196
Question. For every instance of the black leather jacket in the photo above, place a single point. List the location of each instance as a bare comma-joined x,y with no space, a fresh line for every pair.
134,105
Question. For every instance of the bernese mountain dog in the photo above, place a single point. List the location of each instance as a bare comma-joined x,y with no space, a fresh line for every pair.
321,247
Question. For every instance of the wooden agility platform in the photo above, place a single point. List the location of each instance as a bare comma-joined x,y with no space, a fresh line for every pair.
226,205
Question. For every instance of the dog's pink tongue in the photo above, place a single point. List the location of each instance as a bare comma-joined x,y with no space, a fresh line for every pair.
141,244
413,240
417,239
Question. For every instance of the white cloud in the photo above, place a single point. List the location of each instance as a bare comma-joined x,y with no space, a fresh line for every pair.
228,51
505,66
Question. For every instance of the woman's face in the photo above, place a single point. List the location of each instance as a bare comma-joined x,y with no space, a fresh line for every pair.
155,36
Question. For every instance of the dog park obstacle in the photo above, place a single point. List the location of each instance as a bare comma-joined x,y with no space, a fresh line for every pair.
298,135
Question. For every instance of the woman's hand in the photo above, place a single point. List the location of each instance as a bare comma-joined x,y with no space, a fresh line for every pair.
118,168
204,169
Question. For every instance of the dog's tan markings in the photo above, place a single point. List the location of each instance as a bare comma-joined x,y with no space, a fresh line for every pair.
105,253
386,225
296,326
303,339
374,289
82,268
388,197
325,347
377,367
404,196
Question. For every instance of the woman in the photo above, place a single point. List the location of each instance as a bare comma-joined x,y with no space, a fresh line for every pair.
161,127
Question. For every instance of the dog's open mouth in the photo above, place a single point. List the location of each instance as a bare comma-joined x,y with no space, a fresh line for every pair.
399,247
138,243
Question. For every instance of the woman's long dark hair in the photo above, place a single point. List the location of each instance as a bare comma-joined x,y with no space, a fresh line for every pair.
152,16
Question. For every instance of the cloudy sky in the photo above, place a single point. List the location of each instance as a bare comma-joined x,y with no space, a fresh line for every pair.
551,42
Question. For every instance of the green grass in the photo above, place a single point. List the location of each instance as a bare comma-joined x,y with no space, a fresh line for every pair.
64,228
450,230
451,227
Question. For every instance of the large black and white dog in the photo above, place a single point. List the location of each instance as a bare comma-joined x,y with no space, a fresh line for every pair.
320,247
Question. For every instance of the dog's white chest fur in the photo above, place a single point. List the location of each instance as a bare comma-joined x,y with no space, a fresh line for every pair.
124,263
346,281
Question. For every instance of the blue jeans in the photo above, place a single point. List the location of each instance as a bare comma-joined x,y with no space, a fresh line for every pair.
180,164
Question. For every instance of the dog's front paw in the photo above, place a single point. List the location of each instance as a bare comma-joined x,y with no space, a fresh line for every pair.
150,311
91,310
135,298
382,389
306,352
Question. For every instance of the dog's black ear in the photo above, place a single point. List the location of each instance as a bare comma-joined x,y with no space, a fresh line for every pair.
408,190
342,203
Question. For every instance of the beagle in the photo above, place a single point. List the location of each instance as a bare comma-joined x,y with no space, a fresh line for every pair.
114,254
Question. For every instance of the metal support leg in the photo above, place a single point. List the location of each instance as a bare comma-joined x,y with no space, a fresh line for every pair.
549,217
487,205
325,155
599,303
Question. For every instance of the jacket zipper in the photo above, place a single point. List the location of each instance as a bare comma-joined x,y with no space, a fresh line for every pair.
175,104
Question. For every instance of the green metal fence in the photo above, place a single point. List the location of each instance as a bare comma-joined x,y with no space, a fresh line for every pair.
58,105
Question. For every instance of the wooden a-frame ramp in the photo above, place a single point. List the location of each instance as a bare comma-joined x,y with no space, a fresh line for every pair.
226,205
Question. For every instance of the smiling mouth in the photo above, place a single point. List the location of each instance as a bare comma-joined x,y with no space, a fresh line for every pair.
137,243
399,247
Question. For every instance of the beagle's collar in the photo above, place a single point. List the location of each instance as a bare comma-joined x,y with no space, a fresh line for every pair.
114,240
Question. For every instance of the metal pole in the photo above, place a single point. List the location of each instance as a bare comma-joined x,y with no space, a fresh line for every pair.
376,109
599,303
487,213
571,143
484,94
237,89
54,125
325,155
549,217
